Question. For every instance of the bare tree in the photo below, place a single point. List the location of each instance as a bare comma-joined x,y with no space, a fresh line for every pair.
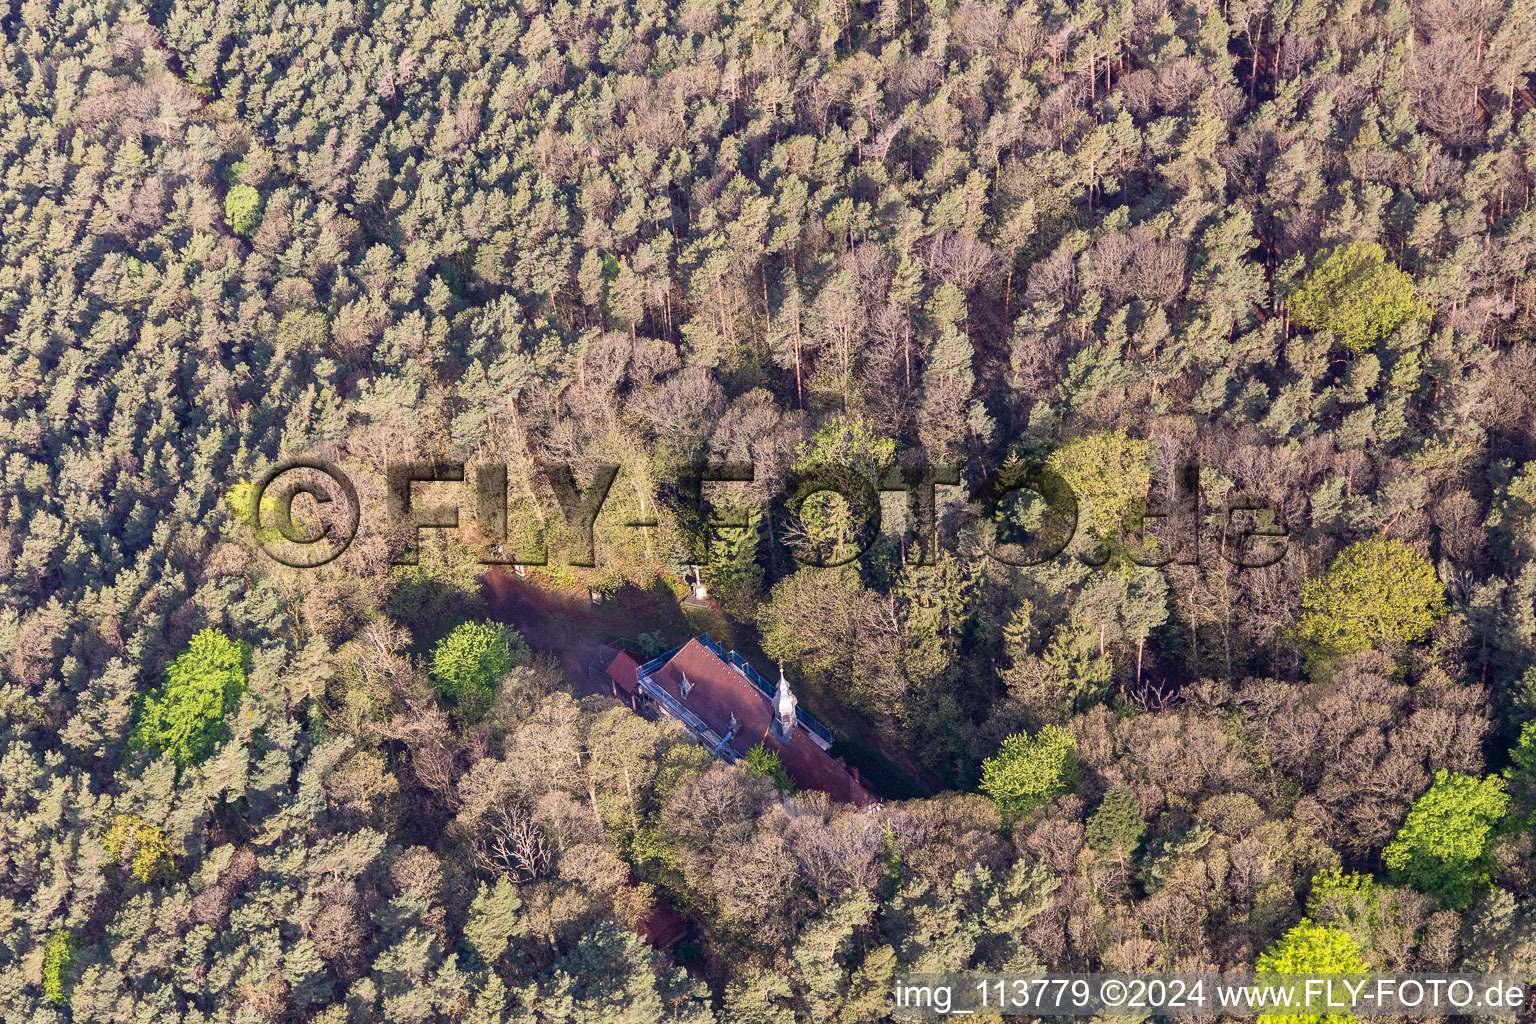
422,726
510,843
1444,79
960,260
834,857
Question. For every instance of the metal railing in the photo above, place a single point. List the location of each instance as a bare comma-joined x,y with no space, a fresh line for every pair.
770,690
658,661
711,739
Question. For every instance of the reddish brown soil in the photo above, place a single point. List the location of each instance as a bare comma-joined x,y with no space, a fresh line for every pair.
569,624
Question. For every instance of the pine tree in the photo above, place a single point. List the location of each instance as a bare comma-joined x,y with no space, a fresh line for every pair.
1116,828
494,919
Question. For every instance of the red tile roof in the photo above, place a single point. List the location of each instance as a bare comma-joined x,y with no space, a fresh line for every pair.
719,691
622,671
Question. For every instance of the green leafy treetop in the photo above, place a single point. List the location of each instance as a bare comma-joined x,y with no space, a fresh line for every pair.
766,762
58,955
1109,472
1356,295
843,446
134,843
847,443
241,501
1377,591
185,716
1348,900
1026,772
1310,948
242,209
469,664
1442,846
1370,913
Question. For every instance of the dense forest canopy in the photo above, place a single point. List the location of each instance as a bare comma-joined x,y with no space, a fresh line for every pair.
1287,241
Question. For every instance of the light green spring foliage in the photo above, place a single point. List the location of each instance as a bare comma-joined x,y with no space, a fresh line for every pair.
1356,295
1349,901
847,443
58,955
1336,886
242,209
241,499
139,846
1442,846
184,717
767,762
1377,591
469,664
1310,948
1109,473
1027,771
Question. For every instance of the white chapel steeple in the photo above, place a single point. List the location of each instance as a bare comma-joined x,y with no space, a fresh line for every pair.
784,704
